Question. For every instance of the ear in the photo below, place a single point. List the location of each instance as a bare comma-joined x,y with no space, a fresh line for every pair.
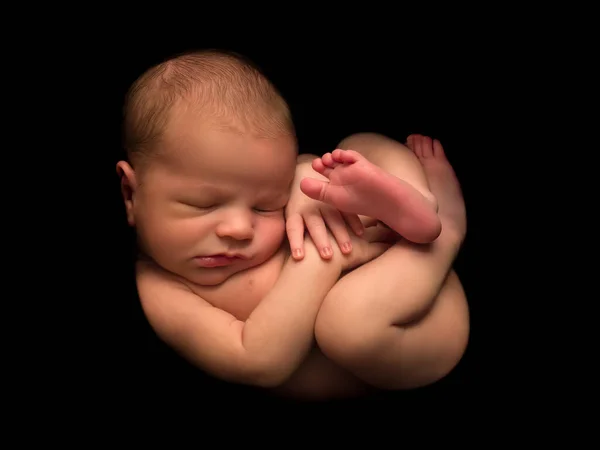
128,189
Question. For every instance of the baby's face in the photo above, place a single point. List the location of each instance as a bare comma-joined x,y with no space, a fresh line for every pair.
215,205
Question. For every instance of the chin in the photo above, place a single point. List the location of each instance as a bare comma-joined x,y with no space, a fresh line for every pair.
216,276
212,278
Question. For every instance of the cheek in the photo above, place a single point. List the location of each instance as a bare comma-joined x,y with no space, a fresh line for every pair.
168,230
272,229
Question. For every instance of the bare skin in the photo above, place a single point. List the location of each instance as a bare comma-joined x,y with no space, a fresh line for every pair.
442,181
401,321
358,186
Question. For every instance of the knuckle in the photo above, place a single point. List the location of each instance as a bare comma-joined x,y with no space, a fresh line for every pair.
315,222
292,227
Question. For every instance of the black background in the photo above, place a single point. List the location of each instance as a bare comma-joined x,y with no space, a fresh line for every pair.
501,86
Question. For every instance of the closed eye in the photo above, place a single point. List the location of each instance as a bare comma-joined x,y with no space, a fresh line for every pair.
266,210
199,206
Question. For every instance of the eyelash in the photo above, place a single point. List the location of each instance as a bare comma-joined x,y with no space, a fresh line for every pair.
255,209
265,210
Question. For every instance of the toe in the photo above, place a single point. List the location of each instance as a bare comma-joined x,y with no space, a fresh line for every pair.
328,159
438,150
427,147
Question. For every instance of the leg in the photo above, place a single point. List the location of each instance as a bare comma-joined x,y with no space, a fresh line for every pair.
379,178
396,158
401,320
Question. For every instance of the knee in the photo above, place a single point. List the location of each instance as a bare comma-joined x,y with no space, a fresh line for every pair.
361,141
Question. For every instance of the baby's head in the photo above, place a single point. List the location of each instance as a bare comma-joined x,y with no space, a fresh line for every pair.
211,156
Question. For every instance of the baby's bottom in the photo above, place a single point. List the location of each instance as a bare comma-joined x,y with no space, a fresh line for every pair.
401,321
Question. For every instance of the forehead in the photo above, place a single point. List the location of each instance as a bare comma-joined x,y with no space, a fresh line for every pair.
220,155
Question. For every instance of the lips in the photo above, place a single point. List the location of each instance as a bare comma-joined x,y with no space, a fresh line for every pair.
219,260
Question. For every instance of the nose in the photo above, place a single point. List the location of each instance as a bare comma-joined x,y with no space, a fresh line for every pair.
236,224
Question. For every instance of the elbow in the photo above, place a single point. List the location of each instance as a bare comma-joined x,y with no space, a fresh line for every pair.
260,366
250,374
260,370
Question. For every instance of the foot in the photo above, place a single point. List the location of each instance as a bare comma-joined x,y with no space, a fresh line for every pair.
442,182
358,186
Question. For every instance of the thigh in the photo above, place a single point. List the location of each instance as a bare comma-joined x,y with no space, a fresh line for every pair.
430,347
406,355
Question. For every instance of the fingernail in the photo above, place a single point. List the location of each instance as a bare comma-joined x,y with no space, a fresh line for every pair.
347,247
298,253
326,252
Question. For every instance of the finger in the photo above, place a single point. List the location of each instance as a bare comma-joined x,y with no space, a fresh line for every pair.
376,249
354,223
366,253
337,225
368,221
294,226
380,234
318,233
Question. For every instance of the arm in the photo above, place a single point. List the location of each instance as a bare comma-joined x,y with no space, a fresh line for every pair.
267,348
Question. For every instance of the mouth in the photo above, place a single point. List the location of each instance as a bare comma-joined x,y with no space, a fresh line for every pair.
219,260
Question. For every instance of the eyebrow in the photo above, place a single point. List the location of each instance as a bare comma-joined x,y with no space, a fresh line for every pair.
208,188
203,187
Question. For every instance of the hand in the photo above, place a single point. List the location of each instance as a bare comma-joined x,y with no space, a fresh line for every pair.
318,217
376,239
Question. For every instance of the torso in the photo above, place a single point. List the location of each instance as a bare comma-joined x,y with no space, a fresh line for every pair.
317,377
